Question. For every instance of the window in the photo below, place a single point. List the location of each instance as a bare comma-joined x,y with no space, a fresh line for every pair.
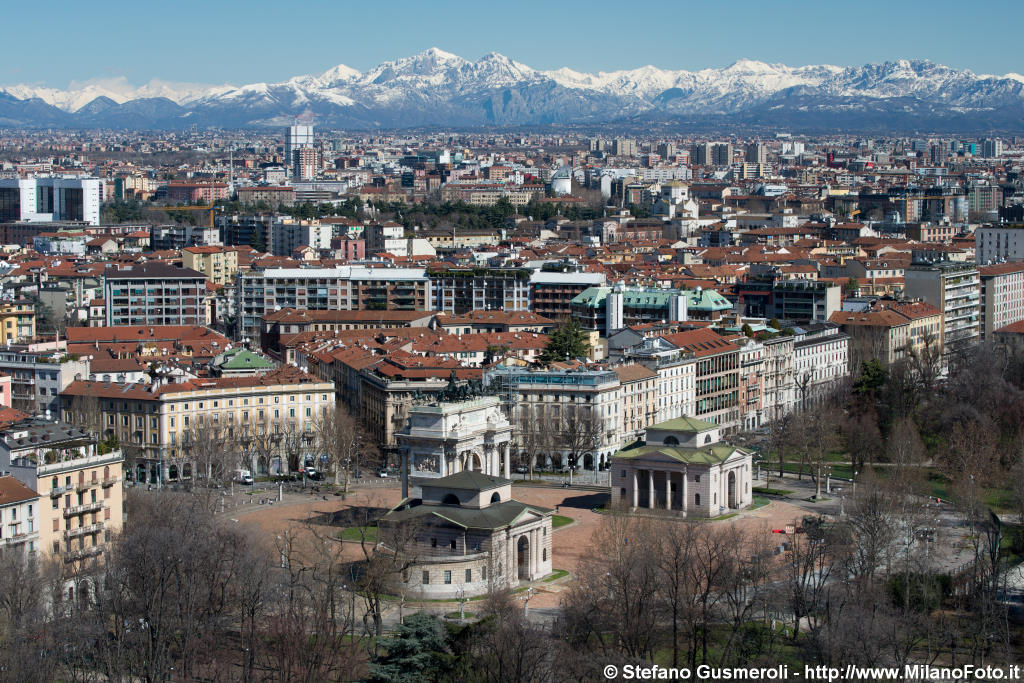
696,478
469,576
433,543
696,499
447,576
452,544
426,578
544,554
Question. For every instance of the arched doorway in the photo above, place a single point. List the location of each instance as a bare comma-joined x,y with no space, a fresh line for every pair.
172,473
523,558
732,489
588,461
474,462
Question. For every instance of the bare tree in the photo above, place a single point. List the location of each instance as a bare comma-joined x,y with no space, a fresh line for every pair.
578,431
207,446
386,560
342,438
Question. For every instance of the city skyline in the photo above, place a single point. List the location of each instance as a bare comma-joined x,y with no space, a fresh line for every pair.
227,46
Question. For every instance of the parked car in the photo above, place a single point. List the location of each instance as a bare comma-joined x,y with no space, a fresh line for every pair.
314,475
383,474
522,469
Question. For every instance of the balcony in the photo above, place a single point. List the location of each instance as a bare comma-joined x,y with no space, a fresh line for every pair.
58,491
82,553
84,485
83,508
18,539
83,530
109,481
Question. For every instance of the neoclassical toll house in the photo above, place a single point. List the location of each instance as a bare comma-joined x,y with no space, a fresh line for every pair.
682,465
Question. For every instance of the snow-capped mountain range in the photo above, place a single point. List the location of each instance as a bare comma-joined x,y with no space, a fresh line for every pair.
437,88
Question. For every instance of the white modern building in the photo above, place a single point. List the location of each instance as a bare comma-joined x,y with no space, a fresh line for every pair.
297,137
48,199
1002,242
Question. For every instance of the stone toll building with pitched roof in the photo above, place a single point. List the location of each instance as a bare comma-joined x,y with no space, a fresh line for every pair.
465,536
682,465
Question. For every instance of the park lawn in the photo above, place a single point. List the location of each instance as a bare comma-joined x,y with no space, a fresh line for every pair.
556,574
765,491
354,533
560,520
838,471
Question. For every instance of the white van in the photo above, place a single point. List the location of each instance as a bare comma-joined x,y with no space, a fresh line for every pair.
243,477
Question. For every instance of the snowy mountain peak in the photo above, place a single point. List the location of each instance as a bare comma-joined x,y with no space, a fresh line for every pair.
435,87
340,73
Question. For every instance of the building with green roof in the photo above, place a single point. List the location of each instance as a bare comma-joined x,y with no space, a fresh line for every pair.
241,362
682,465
610,308
465,535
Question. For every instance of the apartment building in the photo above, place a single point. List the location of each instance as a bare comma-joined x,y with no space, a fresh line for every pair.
344,288
155,421
17,321
999,242
19,517
50,199
779,377
820,361
955,289
542,397
1002,296
461,290
79,483
273,195
751,400
638,397
218,264
39,375
154,294
551,292
288,235
677,376
716,396
176,237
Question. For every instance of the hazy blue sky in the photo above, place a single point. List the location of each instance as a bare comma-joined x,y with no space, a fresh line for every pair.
214,41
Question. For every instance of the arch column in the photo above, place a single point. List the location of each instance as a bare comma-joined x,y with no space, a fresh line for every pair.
651,503
686,500
507,457
668,489
636,489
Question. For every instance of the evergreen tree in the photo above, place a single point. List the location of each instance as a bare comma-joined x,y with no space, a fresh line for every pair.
416,652
568,341
872,378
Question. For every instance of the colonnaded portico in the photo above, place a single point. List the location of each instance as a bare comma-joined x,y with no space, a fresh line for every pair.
457,436
682,465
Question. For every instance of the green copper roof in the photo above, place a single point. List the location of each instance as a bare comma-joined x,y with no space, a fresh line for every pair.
711,455
684,424
703,300
243,359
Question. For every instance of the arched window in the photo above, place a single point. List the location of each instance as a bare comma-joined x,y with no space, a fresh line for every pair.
696,499
544,555
671,441
54,484
495,497
707,439
451,499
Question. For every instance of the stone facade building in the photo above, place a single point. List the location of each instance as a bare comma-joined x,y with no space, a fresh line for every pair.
682,465
464,536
